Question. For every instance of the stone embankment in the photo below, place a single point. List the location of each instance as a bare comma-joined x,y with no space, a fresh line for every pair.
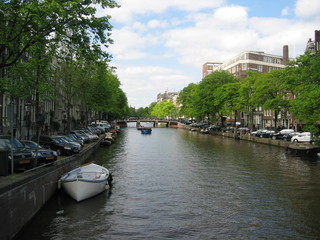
304,148
22,195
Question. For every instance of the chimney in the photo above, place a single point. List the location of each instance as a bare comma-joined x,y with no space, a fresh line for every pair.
285,54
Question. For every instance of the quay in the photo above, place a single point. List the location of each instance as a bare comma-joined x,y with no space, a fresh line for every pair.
293,148
22,195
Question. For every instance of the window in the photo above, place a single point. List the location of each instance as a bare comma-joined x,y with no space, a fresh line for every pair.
244,66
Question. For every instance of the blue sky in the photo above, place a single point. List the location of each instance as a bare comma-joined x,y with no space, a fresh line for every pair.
161,45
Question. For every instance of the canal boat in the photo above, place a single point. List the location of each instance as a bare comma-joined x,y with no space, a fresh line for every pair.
146,130
86,181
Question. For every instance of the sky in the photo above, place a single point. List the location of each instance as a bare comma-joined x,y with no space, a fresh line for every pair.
161,45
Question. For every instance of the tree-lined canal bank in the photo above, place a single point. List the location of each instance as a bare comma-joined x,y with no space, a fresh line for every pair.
177,184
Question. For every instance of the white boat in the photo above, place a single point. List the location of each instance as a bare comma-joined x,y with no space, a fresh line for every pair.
86,181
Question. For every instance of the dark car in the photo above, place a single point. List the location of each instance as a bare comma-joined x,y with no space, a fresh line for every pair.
22,158
266,134
281,134
43,155
69,140
61,146
258,132
81,135
74,138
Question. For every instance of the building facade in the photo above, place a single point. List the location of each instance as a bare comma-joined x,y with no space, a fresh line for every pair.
172,96
209,67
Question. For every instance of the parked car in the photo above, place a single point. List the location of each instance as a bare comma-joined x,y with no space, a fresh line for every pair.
279,135
43,155
75,139
288,136
104,124
22,158
69,140
228,129
266,134
81,135
94,130
258,132
214,127
61,146
102,129
92,137
302,137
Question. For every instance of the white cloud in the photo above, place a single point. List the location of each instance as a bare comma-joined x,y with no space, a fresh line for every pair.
143,83
307,8
230,15
285,11
129,8
157,24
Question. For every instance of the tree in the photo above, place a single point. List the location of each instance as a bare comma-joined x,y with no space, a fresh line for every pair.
227,98
303,77
186,99
247,103
206,96
271,93
26,23
164,109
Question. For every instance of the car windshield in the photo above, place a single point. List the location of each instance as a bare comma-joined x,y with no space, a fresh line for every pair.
31,144
71,137
5,143
67,139
59,140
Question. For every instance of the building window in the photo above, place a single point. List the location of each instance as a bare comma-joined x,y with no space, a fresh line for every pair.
260,68
244,66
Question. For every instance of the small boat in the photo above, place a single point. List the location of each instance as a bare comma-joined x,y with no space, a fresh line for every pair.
108,139
146,130
204,131
86,181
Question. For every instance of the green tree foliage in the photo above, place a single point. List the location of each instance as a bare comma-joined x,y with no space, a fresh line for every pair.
186,99
271,92
164,109
32,76
227,99
207,93
26,23
303,78
247,89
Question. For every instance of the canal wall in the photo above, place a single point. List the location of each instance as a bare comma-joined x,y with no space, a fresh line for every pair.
242,136
248,137
23,195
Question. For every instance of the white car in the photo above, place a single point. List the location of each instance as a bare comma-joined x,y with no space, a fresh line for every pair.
302,137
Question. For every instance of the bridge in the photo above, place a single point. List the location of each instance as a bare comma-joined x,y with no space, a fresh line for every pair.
156,122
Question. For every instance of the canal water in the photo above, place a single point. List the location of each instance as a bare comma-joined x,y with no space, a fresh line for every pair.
177,184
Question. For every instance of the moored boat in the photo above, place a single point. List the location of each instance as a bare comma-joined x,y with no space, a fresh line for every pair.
86,181
146,130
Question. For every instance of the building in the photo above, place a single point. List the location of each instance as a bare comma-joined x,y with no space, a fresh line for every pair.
313,46
209,67
168,96
253,61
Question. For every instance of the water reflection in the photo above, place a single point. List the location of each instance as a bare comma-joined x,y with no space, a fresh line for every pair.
176,184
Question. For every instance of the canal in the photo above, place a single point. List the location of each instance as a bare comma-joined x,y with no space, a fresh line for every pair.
177,184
